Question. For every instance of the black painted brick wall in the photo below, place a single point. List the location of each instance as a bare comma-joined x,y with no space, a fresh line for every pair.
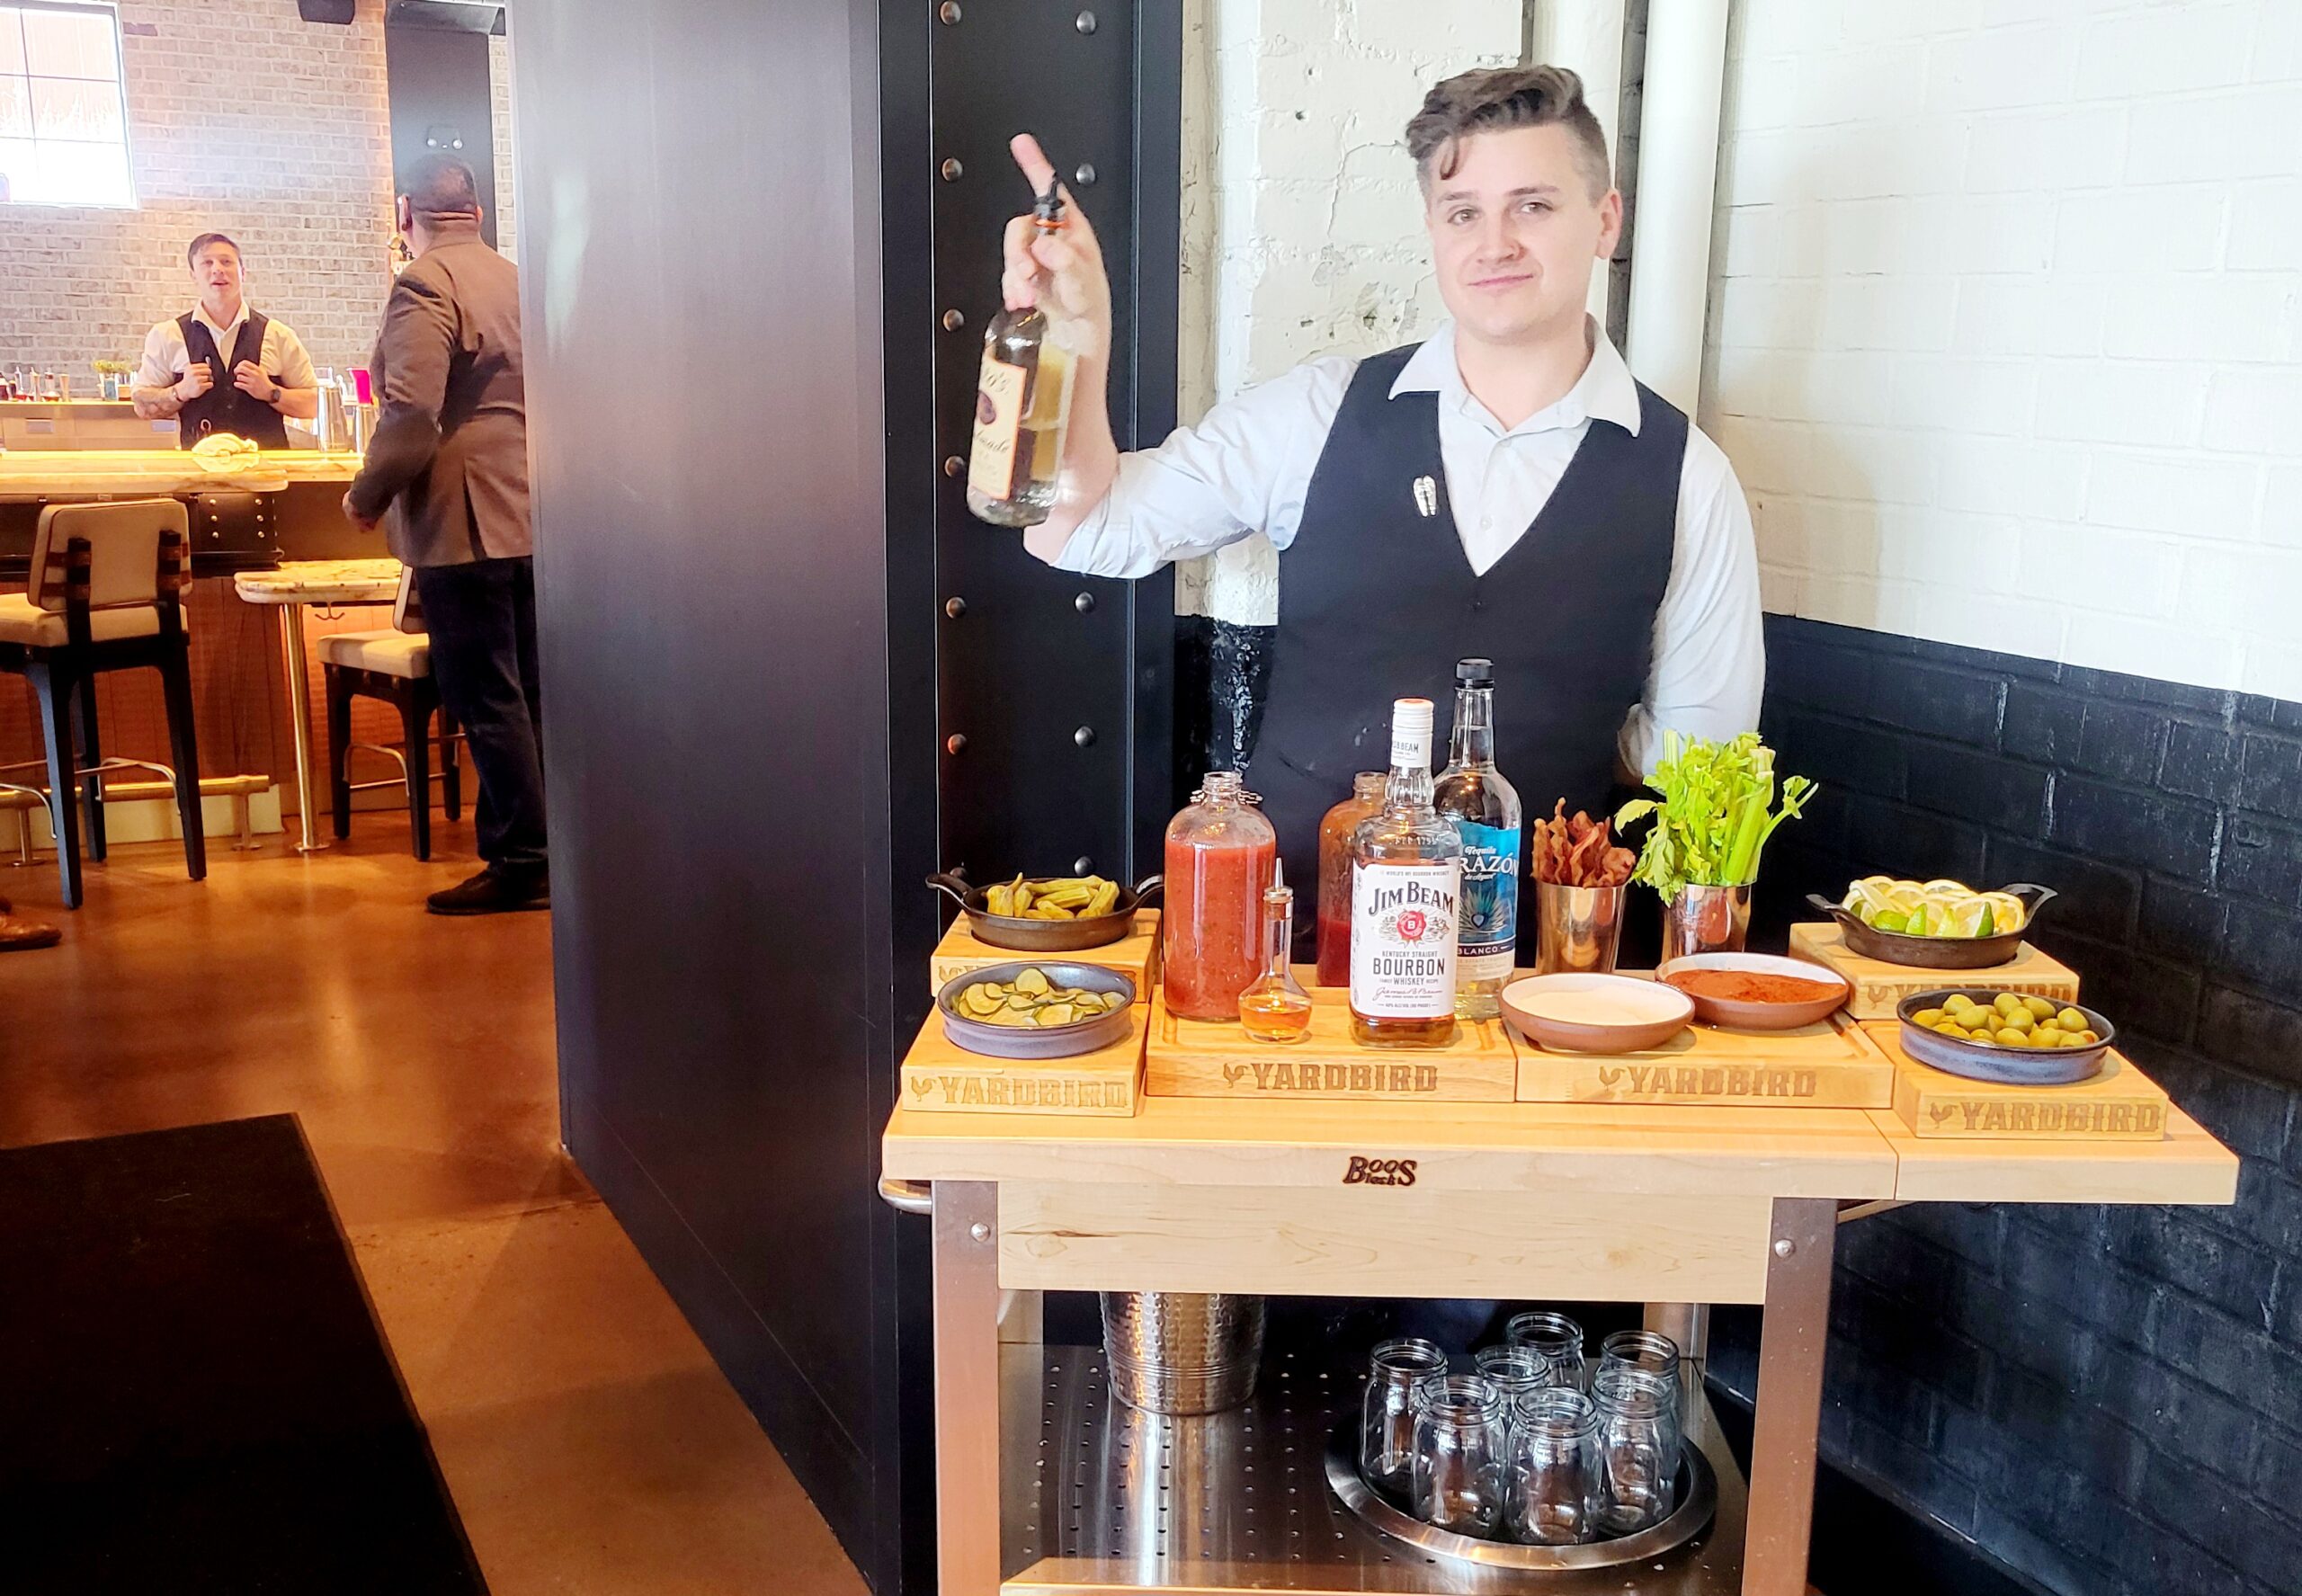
2109,1399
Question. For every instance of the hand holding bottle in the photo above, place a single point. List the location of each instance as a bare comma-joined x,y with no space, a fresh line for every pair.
1061,271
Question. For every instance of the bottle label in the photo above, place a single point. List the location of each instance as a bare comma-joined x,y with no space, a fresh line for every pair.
998,415
1403,930
1490,933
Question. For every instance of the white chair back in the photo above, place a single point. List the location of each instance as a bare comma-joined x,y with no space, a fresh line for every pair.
125,540
408,610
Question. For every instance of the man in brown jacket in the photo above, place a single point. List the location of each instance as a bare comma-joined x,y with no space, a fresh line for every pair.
449,462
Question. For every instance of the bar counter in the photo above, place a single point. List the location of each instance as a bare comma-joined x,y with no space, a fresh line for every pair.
1642,1203
49,473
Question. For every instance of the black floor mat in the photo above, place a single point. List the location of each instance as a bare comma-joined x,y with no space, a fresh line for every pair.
194,1395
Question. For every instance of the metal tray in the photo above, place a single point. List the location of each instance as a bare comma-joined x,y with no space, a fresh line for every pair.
1697,1502
1045,936
1062,1042
1987,1061
1939,953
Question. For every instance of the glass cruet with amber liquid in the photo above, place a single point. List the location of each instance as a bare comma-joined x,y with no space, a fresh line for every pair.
1276,1008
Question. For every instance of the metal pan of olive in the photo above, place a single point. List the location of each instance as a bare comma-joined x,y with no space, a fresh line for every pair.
1041,1010
2018,1041
1049,914
1945,951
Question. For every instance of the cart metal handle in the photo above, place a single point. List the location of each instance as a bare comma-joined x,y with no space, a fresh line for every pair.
908,1197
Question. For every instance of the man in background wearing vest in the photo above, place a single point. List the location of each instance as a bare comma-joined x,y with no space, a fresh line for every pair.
223,367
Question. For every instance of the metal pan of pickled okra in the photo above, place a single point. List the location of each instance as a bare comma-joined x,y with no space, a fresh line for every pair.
1039,1009
1987,1035
1052,921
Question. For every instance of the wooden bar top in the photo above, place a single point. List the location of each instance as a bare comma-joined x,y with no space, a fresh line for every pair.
67,473
1629,1149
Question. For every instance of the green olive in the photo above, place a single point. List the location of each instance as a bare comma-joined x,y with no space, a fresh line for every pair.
2020,1019
2040,1009
2007,1004
1949,1029
2071,1020
1928,1017
2010,1038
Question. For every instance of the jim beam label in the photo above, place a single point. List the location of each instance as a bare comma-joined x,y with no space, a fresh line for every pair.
1402,922
1727,1081
2042,1116
1279,1077
959,1090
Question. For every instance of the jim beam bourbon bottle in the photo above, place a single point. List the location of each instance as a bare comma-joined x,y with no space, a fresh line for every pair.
1022,404
1406,878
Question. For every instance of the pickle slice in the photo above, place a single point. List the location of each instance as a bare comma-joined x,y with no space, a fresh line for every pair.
1033,981
1057,1014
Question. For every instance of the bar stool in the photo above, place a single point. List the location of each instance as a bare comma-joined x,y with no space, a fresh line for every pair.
107,581
396,666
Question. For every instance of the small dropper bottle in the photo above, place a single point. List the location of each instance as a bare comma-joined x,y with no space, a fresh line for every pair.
1275,1009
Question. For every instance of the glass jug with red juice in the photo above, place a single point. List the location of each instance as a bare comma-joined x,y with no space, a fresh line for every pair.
1221,856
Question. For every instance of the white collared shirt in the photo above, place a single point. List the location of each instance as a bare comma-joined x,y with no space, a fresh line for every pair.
1246,468
166,359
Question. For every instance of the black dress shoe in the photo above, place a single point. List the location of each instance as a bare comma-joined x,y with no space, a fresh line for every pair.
494,891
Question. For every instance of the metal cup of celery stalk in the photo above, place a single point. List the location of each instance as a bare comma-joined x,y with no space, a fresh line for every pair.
1716,805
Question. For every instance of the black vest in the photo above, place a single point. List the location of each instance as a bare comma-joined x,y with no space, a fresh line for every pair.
1376,601
224,408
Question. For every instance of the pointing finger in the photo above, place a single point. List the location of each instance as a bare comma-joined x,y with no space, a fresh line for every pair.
1037,171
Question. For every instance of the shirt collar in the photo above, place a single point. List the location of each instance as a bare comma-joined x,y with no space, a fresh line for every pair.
1605,391
200,315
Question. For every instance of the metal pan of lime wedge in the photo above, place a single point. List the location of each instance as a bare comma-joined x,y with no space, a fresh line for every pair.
1036,1009
1938,952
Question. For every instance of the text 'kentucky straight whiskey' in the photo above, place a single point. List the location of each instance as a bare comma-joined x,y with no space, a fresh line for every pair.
1406,878
1022,404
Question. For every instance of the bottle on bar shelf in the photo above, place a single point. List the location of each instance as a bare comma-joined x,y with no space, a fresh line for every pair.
1486,809
1334,909
1022,404
1221,856
1406,869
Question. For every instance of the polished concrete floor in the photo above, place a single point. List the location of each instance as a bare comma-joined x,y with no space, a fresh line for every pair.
590,1443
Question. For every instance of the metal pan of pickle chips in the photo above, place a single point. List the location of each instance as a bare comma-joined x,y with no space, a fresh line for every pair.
1045,1008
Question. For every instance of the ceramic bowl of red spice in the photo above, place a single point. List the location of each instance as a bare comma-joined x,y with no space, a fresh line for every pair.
1756,991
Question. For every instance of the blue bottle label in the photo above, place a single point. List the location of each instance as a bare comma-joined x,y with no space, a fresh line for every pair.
1490,905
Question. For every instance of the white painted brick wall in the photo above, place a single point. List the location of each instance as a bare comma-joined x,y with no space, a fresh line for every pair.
2006,324
242,120
1303,230
499,85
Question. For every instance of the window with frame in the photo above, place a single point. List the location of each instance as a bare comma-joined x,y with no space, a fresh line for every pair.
62,111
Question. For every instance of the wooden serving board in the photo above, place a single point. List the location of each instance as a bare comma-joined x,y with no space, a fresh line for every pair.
1204,1058
1133,956
1879,985
940,1076
1830,1065
2121,1104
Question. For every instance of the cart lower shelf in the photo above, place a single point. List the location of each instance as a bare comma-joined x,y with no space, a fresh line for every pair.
1098,1497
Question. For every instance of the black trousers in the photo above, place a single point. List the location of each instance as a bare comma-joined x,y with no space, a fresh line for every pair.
481,618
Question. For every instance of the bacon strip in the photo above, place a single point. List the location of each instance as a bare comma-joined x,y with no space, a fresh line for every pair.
1577,852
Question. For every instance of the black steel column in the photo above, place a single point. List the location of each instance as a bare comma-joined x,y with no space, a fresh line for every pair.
1053,690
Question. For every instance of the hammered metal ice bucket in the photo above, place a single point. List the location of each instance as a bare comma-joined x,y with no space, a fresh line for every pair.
1181,1352
1577,929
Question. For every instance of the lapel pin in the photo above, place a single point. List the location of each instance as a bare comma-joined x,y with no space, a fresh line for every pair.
1426,495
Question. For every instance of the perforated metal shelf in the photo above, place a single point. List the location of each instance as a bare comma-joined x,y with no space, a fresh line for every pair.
1098,1497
